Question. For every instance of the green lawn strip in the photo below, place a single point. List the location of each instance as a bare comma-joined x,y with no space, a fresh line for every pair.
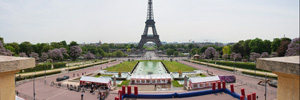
201,75
258,74
53,72
176,84
123,67
102,75
125,82
176,66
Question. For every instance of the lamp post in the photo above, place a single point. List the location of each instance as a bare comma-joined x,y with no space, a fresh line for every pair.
265,85
34,85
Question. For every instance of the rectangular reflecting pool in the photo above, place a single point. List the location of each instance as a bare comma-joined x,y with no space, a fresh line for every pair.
149,68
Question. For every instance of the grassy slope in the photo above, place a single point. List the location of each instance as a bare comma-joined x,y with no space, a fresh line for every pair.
125,82
123,67
102,75
176,84
176,66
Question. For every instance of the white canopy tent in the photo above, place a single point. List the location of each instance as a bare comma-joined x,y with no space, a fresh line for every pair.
151,79
100,80
202,82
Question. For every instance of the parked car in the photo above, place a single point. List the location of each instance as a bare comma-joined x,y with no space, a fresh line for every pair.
62,78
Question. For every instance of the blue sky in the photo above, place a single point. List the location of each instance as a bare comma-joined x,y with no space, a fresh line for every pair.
114,21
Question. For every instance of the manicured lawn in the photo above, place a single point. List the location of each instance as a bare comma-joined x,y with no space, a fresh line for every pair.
123,67
102,75
125,82
197,75
176,66
176,84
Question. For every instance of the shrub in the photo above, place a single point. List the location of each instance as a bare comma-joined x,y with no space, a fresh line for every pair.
244,65
44,66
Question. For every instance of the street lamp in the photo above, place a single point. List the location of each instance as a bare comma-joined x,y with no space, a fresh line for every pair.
265,85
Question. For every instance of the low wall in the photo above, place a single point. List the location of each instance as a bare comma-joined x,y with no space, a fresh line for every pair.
134,67
165,67
182,95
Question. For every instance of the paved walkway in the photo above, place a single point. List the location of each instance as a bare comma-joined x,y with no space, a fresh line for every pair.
59,69
46,92
238,69
249,83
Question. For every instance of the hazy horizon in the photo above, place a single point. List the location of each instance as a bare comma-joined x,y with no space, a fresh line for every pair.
119,21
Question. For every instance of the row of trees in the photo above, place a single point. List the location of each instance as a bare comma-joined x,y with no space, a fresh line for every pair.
57,50
239,51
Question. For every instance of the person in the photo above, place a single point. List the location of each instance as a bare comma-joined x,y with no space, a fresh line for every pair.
17,93
81,96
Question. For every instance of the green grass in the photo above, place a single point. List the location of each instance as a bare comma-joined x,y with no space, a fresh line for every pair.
258,74
123,67
176,84
176,66
125,82
201,75
102,75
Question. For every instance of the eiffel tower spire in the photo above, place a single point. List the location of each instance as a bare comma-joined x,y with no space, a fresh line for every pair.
150,23
150,15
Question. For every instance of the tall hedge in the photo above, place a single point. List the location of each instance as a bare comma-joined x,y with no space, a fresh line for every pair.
244,65
44,66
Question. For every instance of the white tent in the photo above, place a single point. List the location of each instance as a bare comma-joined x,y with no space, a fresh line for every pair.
204,79
202,82
101,80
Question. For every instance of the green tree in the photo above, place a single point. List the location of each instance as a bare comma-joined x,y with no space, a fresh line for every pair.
195,51
73,43
247,49
256,45
46,48
1,39
161,48
118,53
105,47
176,53
26,47
12,49
170,52
203,49
238,47
16,47
283,47
275,44
267,46
226,50
191,46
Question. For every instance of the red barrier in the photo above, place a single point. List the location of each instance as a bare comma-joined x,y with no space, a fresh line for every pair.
232,88
224,84
219,85
213,86
253,96
243,92
128,90
135,90
123,90
249,97
116,98
120,94
242,97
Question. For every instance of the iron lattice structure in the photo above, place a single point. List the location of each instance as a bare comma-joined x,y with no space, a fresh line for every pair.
150,23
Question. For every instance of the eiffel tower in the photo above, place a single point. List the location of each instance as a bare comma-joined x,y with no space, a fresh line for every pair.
150,23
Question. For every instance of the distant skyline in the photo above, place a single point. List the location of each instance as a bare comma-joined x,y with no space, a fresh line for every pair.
123,21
